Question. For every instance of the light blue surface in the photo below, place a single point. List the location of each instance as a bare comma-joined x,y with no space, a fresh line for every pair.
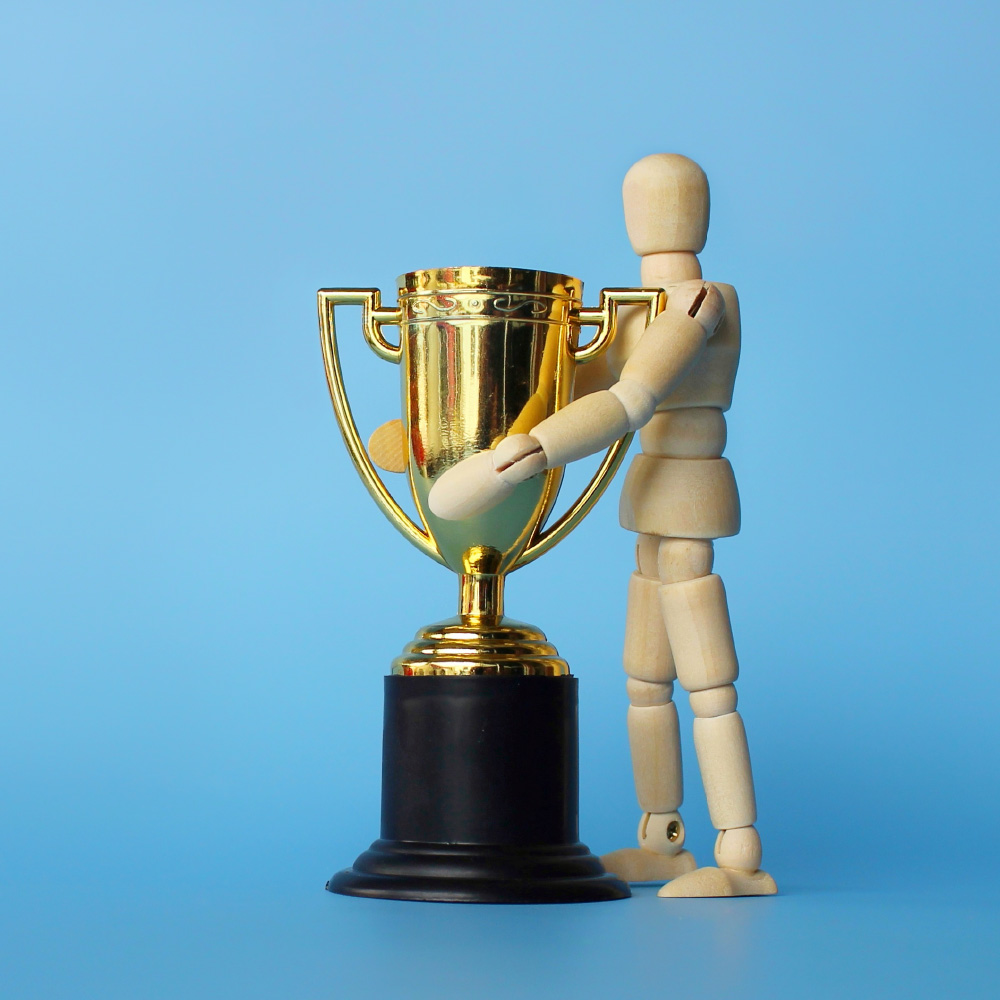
198,599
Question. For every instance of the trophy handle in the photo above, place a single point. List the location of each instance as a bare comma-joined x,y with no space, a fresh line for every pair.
372,318
605,318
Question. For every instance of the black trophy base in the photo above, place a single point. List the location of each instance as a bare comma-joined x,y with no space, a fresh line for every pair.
480,796
456,873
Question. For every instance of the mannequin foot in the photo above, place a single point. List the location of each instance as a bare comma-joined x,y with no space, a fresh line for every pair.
637,864
720,882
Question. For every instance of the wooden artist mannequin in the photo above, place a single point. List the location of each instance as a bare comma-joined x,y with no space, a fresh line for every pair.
672,381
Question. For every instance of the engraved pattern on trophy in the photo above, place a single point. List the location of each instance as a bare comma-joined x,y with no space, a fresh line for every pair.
514,303
673,379
479,302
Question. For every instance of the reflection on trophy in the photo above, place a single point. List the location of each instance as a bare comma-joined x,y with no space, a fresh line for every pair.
480,746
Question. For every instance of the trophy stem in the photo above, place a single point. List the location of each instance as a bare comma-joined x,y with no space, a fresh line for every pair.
481,595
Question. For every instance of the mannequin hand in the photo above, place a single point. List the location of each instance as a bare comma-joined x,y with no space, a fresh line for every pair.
483,480
388,448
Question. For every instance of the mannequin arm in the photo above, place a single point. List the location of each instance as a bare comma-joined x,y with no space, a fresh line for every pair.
591,423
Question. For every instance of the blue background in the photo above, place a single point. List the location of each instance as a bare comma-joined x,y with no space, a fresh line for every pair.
198,599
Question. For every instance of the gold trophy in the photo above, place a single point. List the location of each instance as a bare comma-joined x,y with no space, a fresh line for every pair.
480,774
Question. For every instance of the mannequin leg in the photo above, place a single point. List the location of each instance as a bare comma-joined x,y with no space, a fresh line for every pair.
654,736
697,621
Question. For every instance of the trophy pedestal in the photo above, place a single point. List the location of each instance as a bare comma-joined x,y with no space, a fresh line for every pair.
480,796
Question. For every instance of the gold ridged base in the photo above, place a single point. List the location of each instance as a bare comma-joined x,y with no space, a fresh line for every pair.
468,647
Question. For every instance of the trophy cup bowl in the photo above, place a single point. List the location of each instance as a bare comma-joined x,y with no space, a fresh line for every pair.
480,743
